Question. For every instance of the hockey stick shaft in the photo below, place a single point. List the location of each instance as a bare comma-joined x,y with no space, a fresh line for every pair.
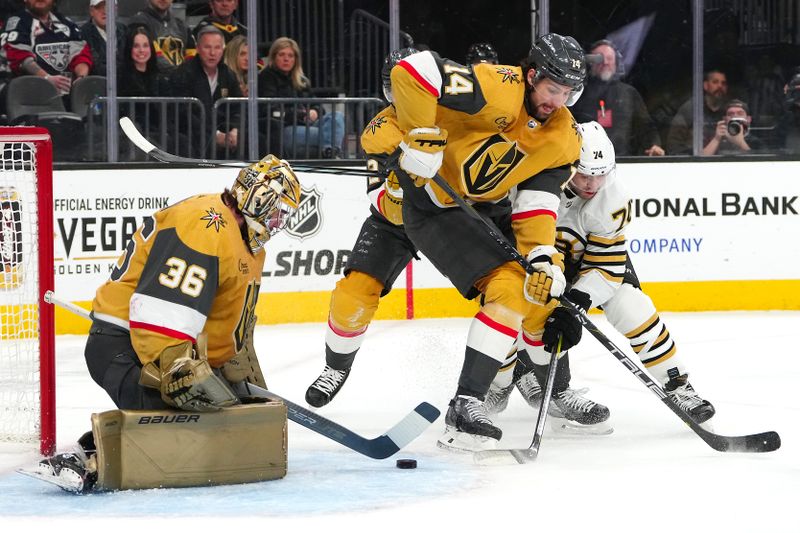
381,447
529,454
141,142
761,442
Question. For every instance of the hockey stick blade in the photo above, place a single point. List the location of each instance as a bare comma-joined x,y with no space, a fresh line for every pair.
386,445
381,447
136,137
756,443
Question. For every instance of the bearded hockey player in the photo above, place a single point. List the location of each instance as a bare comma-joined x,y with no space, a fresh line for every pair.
488,130
381,252
592,217
192,271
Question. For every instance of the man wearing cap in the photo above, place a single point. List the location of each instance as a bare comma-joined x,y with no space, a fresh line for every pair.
94,33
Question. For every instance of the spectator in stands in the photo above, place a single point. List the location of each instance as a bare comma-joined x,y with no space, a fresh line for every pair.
732,135
40,42
207,78
222,17
715,94
307,131
481,53
139,73
789,123
173,41
94,33
617,106
237,60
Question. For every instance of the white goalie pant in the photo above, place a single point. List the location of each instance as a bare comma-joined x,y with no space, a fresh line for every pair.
633,314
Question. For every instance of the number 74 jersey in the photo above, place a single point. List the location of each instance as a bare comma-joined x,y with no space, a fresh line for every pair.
591,235
185,271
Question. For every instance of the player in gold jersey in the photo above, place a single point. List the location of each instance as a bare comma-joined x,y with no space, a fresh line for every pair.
381,252
194,267
173,325
490,130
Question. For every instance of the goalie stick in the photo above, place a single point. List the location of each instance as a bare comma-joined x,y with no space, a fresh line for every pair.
381,447
136,137
529,454
755,443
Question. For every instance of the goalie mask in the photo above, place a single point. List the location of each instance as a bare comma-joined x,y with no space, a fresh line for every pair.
266,193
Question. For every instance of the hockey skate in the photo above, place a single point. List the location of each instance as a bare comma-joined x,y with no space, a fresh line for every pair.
497,399
569,410
468,428
682,394
326,386
73,472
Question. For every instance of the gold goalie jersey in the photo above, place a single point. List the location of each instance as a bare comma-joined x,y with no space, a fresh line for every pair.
493,145
380,139
591,235
185,271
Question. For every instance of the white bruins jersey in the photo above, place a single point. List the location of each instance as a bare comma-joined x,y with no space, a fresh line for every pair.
591,235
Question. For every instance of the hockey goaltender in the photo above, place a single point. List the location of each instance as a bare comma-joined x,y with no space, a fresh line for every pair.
171,339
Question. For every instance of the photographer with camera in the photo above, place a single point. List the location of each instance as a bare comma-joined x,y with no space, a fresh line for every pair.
732,135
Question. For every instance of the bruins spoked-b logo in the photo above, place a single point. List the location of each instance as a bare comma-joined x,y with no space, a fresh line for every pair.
486,168
306,221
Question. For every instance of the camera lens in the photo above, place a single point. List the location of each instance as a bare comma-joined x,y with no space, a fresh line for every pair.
734,128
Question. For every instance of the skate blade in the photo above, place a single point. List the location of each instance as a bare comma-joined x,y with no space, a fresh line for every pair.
460,442
70,483
568,427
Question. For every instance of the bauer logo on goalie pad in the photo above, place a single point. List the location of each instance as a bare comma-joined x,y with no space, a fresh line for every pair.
307,220
10,243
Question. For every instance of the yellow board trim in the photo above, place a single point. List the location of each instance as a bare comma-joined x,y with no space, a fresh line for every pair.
283,307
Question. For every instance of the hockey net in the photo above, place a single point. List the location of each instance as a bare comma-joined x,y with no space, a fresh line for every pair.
27,337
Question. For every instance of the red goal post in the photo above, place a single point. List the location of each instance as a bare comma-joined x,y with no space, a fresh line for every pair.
27,326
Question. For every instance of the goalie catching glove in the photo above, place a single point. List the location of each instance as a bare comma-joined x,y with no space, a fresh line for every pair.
548,281
423,151
188,383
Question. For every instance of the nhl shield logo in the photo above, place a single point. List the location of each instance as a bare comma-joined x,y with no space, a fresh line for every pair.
307,220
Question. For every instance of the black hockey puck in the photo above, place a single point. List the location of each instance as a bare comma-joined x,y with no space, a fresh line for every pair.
406,464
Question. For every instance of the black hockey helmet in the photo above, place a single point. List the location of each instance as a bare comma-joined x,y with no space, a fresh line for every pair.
560,59
481,53
394,57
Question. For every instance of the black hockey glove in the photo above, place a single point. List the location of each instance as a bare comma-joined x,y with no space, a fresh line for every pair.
562,322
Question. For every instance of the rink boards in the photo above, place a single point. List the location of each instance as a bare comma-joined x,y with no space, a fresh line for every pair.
705,236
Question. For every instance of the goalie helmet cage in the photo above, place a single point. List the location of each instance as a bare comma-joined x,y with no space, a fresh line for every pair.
27,325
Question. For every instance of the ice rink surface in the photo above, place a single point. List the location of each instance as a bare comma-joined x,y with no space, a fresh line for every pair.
651,475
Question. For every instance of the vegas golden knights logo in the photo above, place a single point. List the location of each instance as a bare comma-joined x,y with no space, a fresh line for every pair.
172,48
490,164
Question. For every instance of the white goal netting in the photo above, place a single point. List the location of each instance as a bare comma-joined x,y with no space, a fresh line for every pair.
19,294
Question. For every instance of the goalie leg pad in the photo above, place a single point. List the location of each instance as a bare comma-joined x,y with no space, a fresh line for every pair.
154,449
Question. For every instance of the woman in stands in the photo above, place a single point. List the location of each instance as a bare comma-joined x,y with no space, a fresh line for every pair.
237,60
308,132
139,75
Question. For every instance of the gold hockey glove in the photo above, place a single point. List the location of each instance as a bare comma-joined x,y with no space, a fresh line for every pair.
188,383
244,366
423,152
548,281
